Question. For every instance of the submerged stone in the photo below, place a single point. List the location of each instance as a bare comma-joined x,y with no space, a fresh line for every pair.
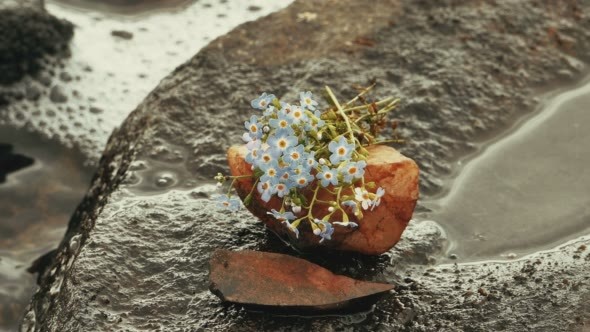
286,283
379,229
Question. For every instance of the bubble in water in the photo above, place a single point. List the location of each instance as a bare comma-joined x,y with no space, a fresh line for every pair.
165,180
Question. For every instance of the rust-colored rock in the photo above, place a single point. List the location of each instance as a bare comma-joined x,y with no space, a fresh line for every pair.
286,283
378,231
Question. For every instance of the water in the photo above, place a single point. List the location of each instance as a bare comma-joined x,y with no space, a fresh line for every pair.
120,51
36,202
527,191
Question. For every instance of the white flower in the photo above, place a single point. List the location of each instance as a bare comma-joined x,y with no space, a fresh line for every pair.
362,196
380,192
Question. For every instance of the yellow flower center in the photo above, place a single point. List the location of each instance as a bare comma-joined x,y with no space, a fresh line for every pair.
282,144
352,170
341,151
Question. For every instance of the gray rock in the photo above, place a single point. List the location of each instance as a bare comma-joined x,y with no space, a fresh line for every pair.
27,34
135,254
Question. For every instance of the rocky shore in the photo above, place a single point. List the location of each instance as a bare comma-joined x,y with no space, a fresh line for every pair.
464,70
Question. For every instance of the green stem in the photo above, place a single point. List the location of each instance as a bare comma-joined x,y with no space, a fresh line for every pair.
331,94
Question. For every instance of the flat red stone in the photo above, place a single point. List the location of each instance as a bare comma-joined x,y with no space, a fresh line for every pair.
263,279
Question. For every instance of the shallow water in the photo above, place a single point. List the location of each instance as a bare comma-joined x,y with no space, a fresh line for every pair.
527,191
35,205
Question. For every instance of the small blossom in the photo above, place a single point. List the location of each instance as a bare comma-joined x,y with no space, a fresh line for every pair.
341,150
310,159
291,228
281,216
303,179
281,189
253,127
353,171
326,230
269,111
281,142
271,172
297,115
362,196
265,189
327,176
263,101
282,122
306,100
294,155
226,202
377,200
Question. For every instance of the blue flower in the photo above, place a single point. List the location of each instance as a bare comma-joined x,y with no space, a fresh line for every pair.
263,101
341,150
302,179
265,158
294,155
353,170
309,160
306,100
326,230
281,216
271,172
328,176
281,189
286,109
280,142
297,115
253,127
282,122
253,153
265,189
225,202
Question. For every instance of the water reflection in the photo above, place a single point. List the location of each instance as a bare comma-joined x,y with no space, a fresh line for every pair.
529,190
35,205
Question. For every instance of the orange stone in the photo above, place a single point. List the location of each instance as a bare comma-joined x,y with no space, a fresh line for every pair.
268,281
379,229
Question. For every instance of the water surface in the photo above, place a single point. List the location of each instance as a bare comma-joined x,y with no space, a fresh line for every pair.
527,191
36,202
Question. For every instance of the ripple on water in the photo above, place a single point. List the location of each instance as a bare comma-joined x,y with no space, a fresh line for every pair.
528,191
35,205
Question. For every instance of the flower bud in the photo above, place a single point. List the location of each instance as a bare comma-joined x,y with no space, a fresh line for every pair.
296,209
331,209
322,161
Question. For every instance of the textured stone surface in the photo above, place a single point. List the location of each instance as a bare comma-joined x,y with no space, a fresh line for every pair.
380,228
27,34
135,255
269,281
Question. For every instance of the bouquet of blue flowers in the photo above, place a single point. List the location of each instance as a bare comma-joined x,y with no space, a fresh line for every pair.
296,150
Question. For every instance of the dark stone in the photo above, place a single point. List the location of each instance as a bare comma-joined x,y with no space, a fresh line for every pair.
456,66
122,34
27,34
11,162
283,283
95,110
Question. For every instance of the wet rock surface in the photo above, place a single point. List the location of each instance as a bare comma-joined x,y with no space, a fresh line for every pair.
283,283
27,35
463,69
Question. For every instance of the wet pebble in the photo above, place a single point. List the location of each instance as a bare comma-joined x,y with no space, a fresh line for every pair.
122,34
